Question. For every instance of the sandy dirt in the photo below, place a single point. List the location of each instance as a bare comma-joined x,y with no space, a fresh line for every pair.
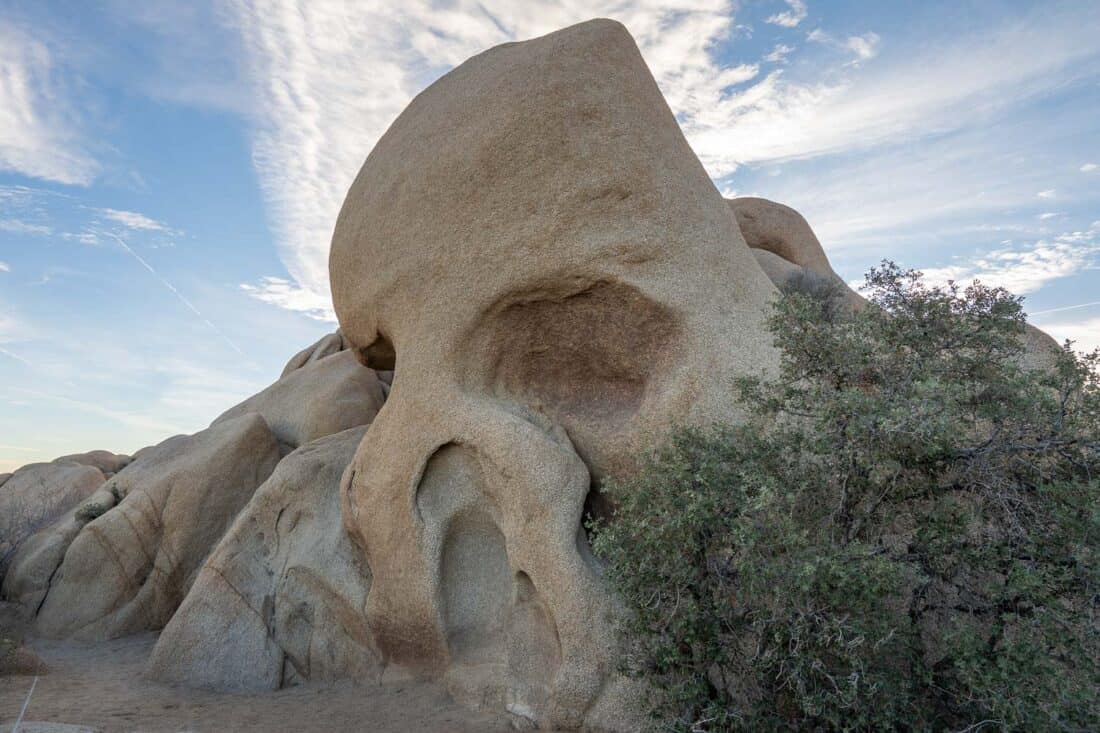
103,687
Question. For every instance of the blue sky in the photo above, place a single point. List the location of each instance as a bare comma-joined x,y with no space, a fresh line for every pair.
170,172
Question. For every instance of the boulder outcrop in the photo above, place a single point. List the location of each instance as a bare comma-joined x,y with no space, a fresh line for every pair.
319,398
537,253
37,559
128,569
281,598
35,496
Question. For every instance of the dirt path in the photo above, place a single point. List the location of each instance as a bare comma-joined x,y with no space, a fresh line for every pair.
102,687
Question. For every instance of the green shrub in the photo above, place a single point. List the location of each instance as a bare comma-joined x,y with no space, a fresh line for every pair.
904,535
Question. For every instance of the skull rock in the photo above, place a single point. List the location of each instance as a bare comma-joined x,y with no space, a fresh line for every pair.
535,248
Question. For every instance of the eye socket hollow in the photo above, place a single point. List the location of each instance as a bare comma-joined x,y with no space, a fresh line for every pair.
579,357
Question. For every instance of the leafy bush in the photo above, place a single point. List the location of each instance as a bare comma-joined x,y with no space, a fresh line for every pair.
904,535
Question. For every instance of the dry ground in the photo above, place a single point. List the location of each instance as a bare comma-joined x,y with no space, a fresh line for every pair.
102,687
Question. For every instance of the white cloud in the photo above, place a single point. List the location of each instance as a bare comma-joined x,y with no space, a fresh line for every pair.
779,54
791,17
89,238
136,419
4,266
863,47
1089,167
18,226
1024,270
1047,194
285,294
38,130
1048,215
13,330
134,220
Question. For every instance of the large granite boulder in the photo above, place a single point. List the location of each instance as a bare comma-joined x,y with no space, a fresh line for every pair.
281,598
128,569
537,250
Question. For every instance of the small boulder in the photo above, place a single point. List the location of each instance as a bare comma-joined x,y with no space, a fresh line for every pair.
325,346
787,249
20,661
106,461
320,398
36,496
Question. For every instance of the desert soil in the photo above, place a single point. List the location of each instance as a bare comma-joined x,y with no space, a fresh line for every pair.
102,687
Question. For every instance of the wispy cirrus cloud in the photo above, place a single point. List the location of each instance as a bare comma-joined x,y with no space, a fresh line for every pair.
18,226
948,84
39,133
778,55
1026,269
134,220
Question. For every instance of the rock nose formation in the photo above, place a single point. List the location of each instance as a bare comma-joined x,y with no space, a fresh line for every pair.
535,278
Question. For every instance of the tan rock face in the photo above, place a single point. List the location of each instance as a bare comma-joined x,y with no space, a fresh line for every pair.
324,346
785,246
537,250
321,397
128,569
35,496
281,597
33,565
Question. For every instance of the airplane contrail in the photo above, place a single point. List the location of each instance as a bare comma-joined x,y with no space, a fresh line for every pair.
1065,308
15,356
175,292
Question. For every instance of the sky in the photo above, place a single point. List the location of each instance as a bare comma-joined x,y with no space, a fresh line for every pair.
170,172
